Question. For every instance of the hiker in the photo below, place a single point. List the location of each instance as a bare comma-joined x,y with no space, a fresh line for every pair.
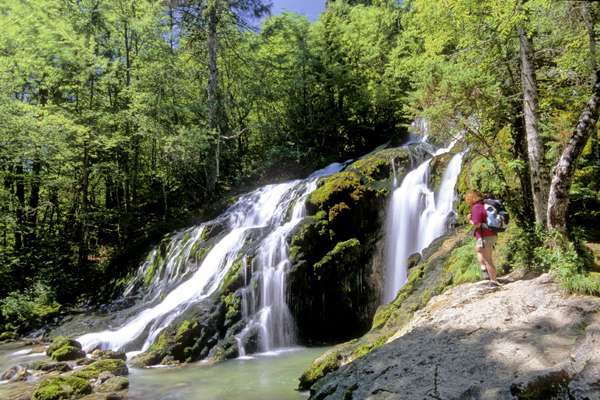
486,238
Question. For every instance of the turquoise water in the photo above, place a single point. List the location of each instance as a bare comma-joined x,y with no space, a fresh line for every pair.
264,377
270,376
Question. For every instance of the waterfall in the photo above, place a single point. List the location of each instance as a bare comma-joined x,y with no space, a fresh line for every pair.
416,216
264,213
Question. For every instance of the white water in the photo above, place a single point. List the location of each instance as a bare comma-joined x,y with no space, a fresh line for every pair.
416,217
271,317
265,209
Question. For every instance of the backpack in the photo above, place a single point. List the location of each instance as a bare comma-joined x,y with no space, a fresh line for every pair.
497,216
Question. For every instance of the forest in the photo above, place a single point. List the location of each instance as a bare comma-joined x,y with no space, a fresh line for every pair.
124,120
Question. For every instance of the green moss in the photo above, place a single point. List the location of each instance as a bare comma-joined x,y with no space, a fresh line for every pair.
336,188
318,369
67,353
337,211
162,343
342,254
232,305
374,168
233,275
63,348
462,265
62,387
366,348
92,371
183,329
153,268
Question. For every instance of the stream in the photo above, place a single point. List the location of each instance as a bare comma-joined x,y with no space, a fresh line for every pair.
266,376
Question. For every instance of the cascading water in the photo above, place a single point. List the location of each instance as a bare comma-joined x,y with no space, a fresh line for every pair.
417,216
271,317
262,213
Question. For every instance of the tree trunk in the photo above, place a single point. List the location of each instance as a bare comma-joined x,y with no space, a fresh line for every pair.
590,20
213,88
558,200
535,152
20,211
84,206
34,201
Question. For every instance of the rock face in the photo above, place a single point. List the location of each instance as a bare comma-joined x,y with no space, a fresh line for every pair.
337,267
524,340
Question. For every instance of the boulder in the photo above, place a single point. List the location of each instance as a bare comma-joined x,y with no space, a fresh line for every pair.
93,371
15,373
108,354
65,349
49,366
62,387
114,384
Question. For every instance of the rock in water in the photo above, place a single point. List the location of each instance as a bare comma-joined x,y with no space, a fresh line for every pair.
524,340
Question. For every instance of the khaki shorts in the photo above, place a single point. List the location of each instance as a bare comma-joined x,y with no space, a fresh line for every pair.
488,242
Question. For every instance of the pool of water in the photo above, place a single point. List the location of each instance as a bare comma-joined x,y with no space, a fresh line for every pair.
269,376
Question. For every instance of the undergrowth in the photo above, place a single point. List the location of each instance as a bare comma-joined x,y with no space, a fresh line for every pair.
567,260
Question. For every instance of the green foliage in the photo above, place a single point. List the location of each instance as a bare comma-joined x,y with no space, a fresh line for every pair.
232,306
28,309
463,265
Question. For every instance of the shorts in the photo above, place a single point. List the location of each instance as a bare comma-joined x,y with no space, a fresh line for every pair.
488,242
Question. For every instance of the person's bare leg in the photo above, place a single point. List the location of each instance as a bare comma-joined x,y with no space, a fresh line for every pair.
482,261
489,262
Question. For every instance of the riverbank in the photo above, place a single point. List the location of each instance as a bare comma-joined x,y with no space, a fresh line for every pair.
527,339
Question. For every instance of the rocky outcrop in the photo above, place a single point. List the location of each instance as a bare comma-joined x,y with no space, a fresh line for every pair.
102,375
336,273
524,340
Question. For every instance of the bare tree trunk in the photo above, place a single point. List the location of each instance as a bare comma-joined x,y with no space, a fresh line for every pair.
20,211
535,151
558,200
213,87
590,20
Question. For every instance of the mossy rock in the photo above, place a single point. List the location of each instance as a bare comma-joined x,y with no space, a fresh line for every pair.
108,354
48,366
342,187
62,388
114,384
61,341
67,353
233,279
92,371
323,365
343,253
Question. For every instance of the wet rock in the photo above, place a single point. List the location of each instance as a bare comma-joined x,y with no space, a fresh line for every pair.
103,377
108,354
114,384
413,260
84,361
49,366
15,373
